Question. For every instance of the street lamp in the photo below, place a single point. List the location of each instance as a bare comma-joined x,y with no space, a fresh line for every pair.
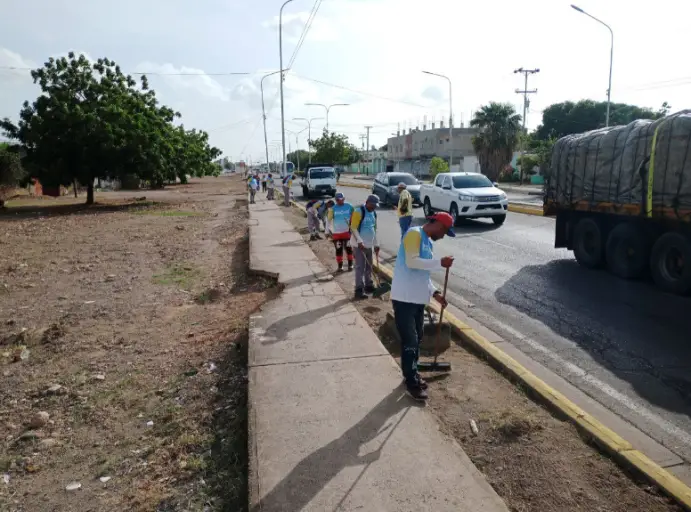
261,86
450,115
327,108
309,132
280,67
297,144
611,56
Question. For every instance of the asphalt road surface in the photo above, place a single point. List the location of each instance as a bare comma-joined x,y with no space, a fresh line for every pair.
624,343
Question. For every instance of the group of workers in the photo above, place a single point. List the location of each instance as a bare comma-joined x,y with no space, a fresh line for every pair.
353,231
266,182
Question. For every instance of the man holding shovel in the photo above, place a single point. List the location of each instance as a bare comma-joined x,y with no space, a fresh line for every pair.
412,290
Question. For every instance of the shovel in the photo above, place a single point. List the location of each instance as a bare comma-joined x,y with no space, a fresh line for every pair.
381,288
437,366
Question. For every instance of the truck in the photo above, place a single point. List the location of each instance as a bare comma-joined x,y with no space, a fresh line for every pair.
464,195
622,199
319,180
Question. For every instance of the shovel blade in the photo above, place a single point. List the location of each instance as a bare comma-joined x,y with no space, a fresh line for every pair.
431,366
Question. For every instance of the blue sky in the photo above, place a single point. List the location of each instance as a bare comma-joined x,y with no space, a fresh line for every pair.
378,47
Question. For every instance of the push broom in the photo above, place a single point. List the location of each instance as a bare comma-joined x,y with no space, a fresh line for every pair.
437,366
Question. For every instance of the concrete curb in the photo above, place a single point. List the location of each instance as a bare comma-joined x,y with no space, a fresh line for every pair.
619,448
355,185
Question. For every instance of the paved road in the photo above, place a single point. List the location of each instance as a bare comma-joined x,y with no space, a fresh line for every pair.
623,343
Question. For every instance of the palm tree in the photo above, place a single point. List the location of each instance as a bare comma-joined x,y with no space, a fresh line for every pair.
500,129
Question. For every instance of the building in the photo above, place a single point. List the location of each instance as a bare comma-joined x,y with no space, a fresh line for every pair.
413,151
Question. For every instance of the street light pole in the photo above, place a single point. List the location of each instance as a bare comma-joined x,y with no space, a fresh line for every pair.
261,86
327,108
309,132
611,57
280,67
450,115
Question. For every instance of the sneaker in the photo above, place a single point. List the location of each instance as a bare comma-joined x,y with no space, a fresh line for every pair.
350,266
318,237
417,393
422,384
312,238
359,295
369,288
340,267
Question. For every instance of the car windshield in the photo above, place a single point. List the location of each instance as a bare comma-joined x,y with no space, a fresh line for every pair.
395,179
472,181
320,174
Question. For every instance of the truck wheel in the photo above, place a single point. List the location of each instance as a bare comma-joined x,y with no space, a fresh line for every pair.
627,251
427,208
453,211
587,243
670,263
499,219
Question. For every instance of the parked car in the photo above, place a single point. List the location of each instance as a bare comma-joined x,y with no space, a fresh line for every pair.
385,186
465,195
319,180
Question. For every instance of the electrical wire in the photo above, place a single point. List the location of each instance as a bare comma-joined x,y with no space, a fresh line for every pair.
305,30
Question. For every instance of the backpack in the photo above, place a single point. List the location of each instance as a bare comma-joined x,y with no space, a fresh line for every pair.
363,211
311,203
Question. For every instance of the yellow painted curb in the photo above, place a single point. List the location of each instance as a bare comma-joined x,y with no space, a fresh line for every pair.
525,209
609,440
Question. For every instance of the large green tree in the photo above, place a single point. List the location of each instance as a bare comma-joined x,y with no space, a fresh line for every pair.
92,121
300,156
499,132
333,148
565,118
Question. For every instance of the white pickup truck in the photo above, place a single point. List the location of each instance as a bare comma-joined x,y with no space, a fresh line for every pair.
319,180
464,195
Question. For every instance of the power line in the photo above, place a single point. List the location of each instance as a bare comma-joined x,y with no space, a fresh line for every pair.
155,73
305,30
363,93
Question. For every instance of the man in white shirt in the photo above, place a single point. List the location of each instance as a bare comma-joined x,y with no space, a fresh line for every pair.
412,290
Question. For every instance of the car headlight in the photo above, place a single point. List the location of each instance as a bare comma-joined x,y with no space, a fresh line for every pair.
502,196
470,199
393,190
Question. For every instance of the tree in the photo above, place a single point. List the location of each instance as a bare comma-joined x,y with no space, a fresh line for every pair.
568,117
334,149
500,129
92,121
11,171
385,147
301,155
438,165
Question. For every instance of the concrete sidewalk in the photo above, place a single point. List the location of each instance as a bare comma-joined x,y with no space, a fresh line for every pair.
330,425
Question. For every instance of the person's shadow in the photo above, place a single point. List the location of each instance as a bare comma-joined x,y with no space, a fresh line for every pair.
315,471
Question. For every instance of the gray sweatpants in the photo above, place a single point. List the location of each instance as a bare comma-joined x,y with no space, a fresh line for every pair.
312,223
286,195
363,268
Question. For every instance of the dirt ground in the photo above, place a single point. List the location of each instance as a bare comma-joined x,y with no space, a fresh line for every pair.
535,462
123,331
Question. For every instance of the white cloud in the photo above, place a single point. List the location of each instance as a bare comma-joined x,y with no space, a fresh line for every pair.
321,30
186,78
14,68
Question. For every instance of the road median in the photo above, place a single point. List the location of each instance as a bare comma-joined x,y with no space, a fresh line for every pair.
621,450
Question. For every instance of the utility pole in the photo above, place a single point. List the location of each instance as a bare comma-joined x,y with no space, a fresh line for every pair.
526,103
368,150
363,137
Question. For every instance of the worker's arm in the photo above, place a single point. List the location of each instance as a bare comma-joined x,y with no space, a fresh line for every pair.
330,219
354,223
411,244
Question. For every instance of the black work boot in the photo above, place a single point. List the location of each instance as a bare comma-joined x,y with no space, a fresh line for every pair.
360,294
417,393
369,288
340,267
350,266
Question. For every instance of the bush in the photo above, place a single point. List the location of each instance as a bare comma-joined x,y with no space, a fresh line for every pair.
437,165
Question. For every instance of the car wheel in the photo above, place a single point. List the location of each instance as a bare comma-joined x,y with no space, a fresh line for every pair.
670,263
499,219
587,243
427,208
453,211
627,251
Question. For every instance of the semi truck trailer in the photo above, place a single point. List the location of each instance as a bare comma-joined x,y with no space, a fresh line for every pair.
622,199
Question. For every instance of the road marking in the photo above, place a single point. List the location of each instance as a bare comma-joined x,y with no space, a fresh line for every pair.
624,400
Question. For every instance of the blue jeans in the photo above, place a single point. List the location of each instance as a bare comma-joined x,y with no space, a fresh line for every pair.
405,223
410,319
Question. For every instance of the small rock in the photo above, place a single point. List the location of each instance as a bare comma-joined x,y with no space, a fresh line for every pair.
20,354
48,443
89,302
149,423
39,419
31,435
74,486
98,376
212,367
56,389
473,427
6,478
10,322
110,278
180,228
104,479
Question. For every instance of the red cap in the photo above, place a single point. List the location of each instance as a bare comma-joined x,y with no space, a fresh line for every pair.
446,220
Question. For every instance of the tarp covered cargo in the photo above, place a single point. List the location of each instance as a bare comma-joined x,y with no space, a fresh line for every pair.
644,168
